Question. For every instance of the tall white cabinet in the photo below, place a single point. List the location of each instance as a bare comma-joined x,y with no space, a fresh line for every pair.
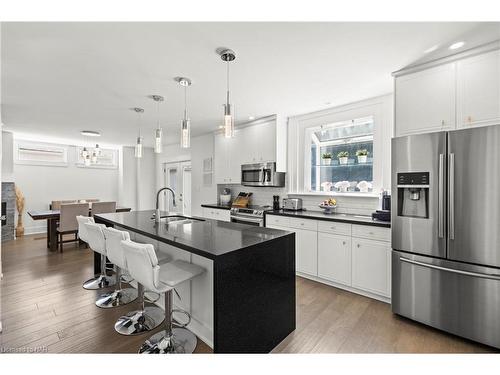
461,93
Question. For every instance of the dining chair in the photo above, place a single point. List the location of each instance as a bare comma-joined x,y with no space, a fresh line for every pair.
68,223
56,205
103,207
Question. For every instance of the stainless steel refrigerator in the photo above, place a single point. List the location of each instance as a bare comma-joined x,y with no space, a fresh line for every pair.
446,231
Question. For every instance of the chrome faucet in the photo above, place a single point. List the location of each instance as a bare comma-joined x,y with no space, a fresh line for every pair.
157,211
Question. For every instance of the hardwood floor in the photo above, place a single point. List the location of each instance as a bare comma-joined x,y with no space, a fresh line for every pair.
44,307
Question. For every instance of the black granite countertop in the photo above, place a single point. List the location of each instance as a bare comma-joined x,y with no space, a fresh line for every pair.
343,218
217,205
207,238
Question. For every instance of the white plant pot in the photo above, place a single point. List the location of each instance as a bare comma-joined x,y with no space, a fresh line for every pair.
327,161
362,159
343,161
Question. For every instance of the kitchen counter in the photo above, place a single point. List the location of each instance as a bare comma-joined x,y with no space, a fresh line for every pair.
245,301
217,205
343,218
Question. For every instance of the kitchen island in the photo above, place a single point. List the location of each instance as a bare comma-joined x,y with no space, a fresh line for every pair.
245,301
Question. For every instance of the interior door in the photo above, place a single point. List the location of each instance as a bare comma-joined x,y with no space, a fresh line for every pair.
186,189
474,198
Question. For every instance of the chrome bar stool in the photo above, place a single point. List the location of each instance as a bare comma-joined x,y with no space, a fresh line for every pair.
82,229
143,265
145,318
120,296
97,243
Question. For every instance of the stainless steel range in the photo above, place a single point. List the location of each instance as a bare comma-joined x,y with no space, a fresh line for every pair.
252,215
446,231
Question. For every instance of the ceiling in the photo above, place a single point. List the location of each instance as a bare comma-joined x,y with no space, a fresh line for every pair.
60,78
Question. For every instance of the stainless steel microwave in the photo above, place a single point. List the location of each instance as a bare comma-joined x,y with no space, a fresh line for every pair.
262,174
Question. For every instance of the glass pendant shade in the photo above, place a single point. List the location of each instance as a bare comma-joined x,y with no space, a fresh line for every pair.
158,141
97,150
138,148
228,122
93,158
84,152
186,133
86,160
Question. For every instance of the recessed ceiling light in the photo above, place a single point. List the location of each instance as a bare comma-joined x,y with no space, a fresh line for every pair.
90,133
432,49
251,118
456,45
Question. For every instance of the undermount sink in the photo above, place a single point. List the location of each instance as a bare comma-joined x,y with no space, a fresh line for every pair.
178,219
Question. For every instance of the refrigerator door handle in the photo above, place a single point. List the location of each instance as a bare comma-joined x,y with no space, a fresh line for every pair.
460,272
441,197
451,196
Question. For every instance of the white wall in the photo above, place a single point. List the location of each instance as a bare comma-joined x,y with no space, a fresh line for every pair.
201,148
137,179
42,184
7,157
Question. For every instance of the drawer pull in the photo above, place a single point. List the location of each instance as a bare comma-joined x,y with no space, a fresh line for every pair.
301,223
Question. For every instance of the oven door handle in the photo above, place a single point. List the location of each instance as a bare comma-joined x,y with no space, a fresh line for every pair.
246,218
452,270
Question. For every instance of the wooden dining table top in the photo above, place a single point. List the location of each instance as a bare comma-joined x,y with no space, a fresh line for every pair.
54,214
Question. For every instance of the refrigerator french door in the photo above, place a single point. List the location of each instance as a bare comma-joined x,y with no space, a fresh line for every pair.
446,231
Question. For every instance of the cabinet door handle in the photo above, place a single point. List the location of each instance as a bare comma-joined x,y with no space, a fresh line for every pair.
358,245
370,233
343,242
302,224
442,122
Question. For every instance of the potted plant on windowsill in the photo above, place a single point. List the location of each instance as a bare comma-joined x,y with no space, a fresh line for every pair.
327,158
362,156
343,157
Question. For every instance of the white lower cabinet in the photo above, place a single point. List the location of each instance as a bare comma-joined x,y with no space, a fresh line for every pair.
334,257
216,214
371,266
350,256
306,251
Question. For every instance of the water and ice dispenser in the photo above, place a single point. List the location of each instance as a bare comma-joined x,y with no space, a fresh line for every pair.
413,194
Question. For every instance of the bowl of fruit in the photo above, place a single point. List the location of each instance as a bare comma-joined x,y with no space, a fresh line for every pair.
329,206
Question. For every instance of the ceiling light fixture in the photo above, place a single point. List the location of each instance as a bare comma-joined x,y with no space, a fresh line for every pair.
158,132
138,145
432,49
186,123
90,133
456,45
228,55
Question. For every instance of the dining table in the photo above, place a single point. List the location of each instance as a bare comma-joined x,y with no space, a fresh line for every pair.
52,217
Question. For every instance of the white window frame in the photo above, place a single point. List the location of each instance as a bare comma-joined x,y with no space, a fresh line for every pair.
40,147
381,110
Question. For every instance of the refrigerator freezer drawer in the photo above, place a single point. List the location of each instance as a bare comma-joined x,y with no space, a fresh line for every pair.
455,297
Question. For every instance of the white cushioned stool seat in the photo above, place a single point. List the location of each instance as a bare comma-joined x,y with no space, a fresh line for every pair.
178,271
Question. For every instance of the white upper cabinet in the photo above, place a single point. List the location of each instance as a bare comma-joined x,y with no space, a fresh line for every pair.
425,101
253,144
227,159
478,90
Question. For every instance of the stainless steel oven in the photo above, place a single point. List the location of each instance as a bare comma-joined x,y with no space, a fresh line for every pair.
251,216
262,174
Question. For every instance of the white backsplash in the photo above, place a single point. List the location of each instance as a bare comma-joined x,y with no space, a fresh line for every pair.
264,196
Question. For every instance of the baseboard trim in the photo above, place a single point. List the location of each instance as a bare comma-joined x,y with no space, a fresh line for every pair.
345,287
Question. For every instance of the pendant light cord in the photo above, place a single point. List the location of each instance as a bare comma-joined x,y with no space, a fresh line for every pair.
185,102
227,62
139,122
158,114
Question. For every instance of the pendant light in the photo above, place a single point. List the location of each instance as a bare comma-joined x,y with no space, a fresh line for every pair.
138,145
228,55
186,123
158,132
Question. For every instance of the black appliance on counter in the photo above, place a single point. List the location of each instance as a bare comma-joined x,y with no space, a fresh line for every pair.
385,213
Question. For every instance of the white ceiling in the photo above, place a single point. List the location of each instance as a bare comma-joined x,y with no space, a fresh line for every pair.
60,78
